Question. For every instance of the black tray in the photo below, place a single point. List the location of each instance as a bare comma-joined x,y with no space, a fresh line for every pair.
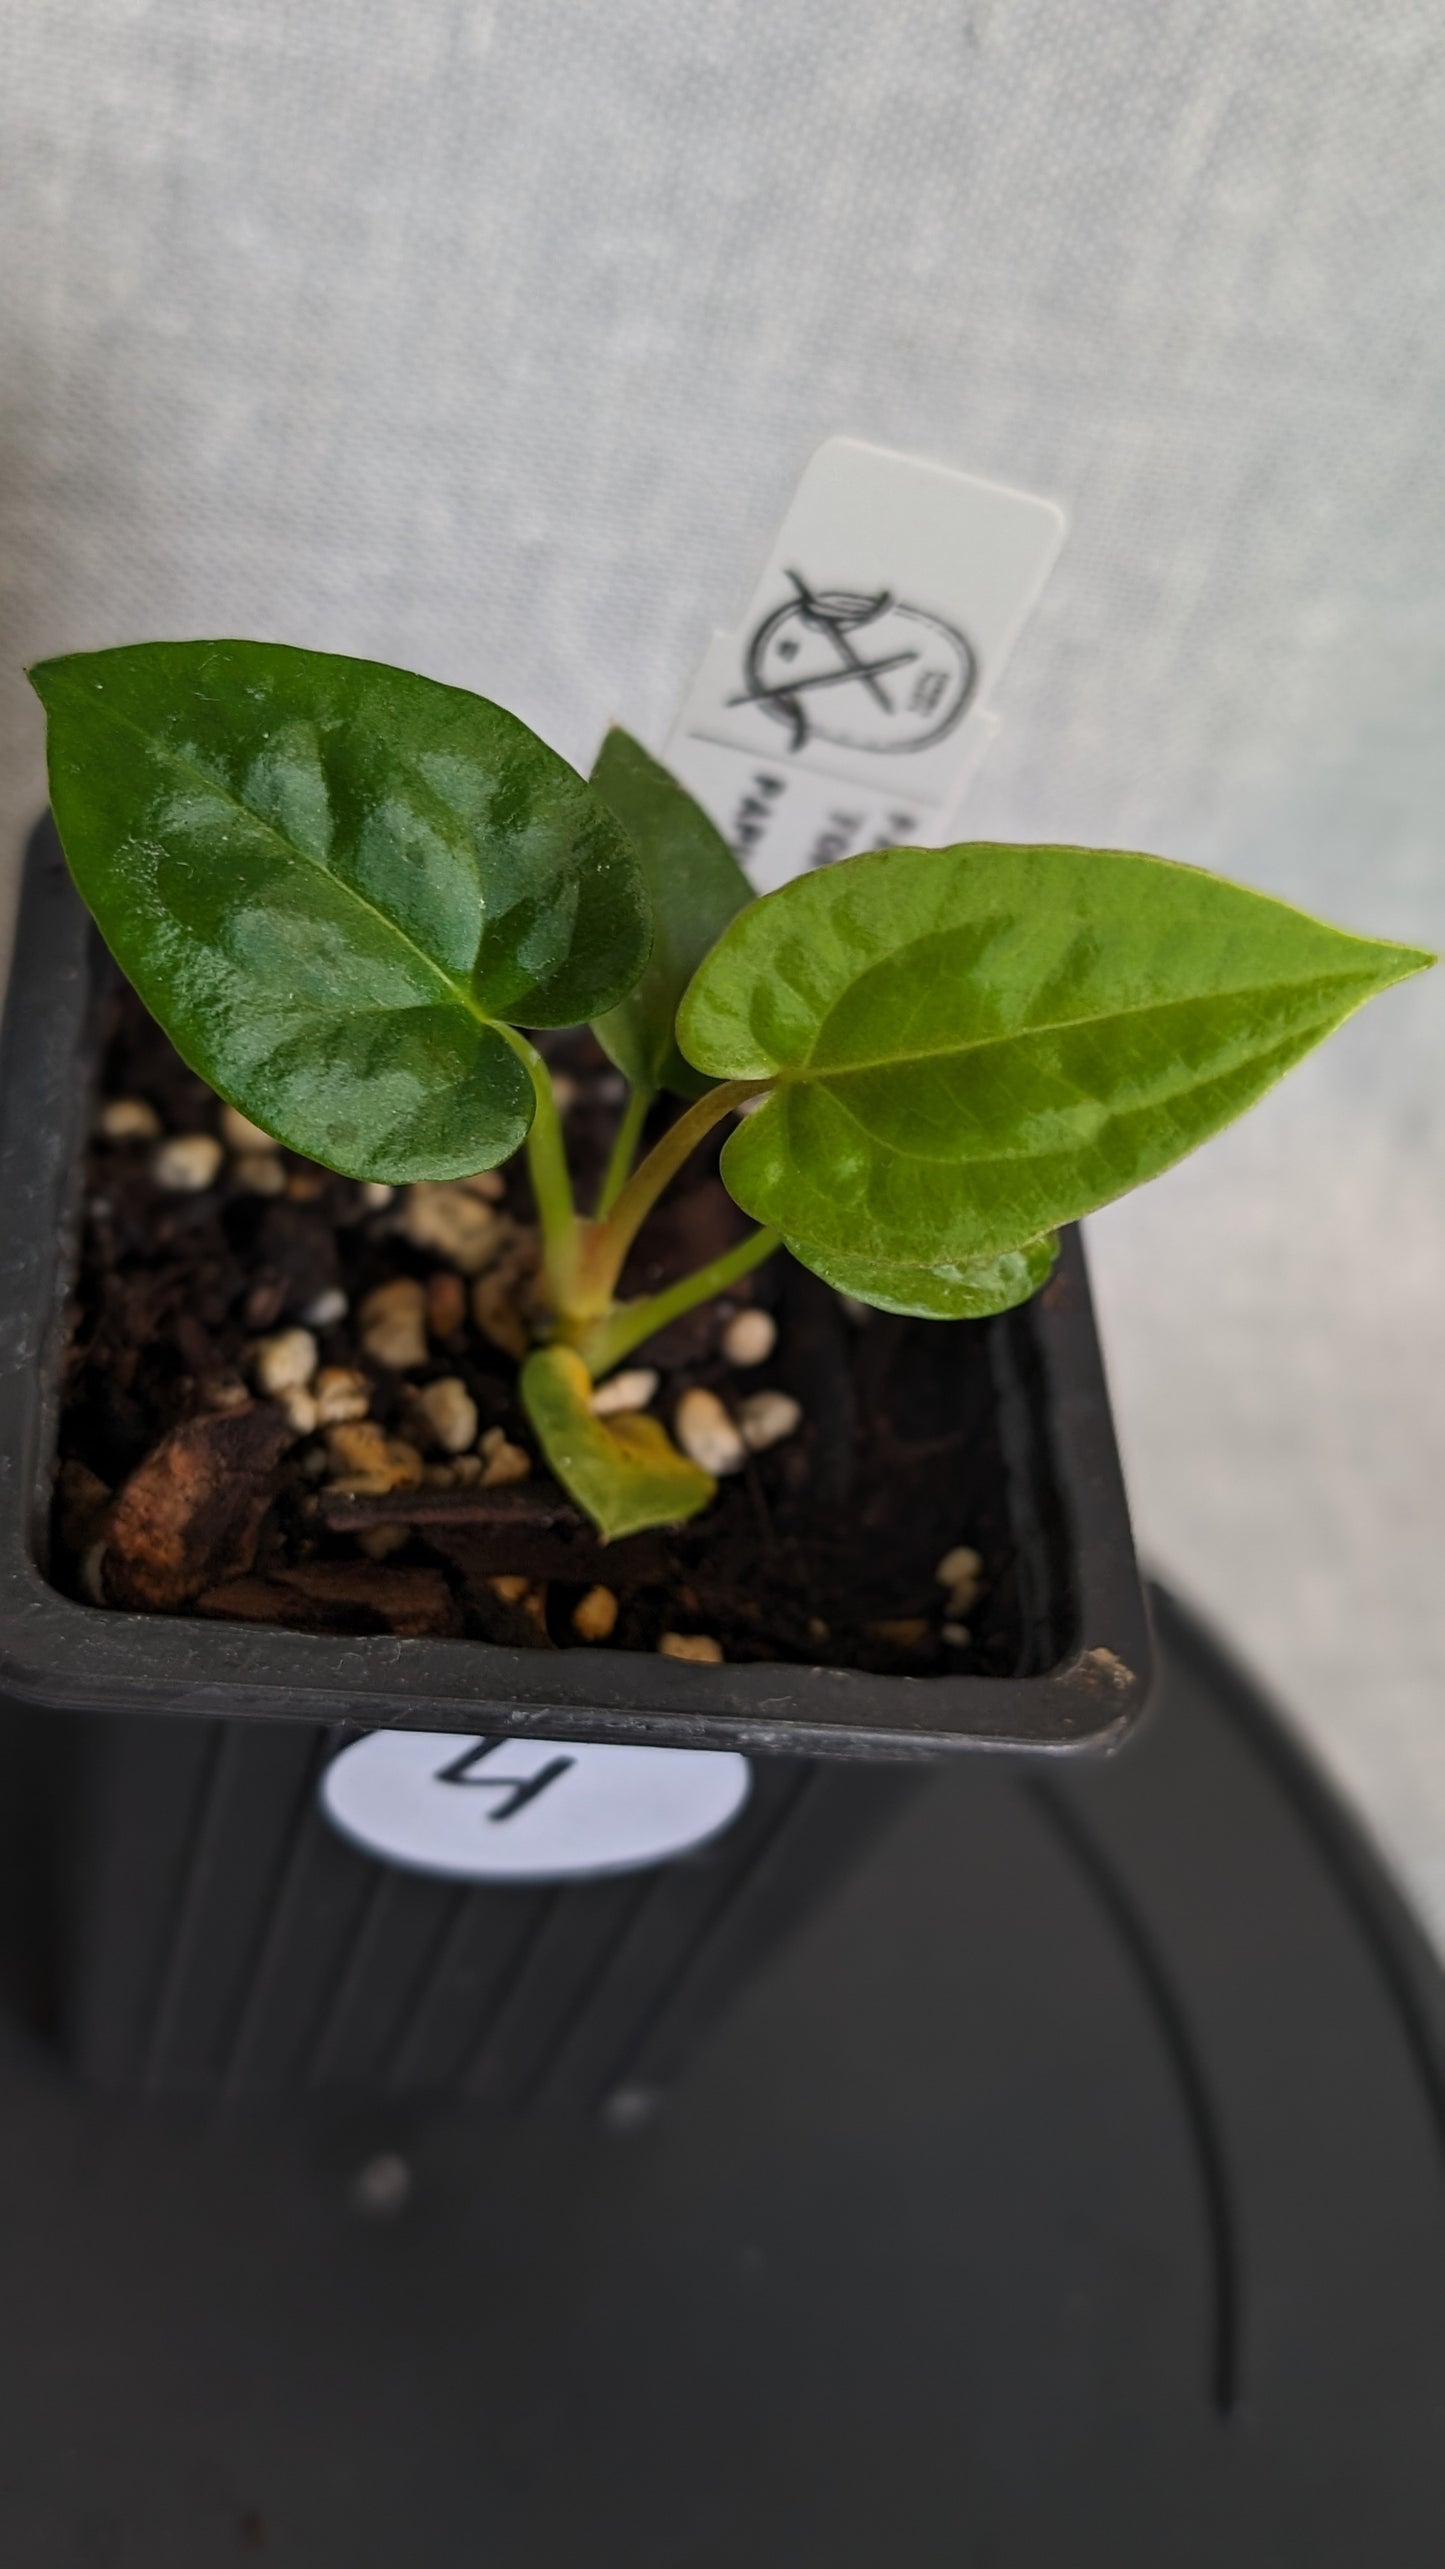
1070,2196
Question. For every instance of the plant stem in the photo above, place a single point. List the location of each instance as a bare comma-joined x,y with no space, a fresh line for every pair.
608,1242
624,1149
547,1168
632,1322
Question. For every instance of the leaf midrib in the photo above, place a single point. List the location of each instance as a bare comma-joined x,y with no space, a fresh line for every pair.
805,1073
1002,1159
224,794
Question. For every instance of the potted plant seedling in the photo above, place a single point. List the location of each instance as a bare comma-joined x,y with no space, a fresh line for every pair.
350,896
722,1376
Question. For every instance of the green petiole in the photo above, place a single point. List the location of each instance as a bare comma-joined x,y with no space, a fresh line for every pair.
624,1149
550,1176
631,1323
604,1251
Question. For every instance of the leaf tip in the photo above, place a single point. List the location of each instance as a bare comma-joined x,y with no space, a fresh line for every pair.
41,676
1392,963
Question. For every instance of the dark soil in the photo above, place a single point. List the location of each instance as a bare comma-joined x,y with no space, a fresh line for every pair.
180,1491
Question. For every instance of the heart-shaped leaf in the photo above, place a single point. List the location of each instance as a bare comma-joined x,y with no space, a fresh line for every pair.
694,884
973,1291
626,1472
338,886
972,1045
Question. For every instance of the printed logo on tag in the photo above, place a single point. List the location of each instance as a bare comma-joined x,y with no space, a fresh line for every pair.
848,709
527,1810
858,672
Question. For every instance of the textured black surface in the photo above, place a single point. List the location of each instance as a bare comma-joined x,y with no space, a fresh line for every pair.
1070,2193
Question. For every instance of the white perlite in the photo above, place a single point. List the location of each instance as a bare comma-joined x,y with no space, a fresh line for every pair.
749,1338
707,1434
326,1308
393,1324
502,1461
458,1225
129,1119
188,1163
766,1418
961,1573
240,1134
260,1173
284,1362
450,1413
631,1389
341,1394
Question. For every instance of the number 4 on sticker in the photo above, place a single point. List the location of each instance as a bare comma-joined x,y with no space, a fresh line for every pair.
520,1790
394,1796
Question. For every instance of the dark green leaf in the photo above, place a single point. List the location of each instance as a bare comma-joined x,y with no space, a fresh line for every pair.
695,885
972,1291
335,884
626,1472
972,1045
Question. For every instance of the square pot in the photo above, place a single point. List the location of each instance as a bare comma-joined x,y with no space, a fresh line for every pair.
1084,1654
195,1873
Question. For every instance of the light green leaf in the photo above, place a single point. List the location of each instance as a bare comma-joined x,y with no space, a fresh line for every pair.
973,1291
695,885
626,1472
972,1045
337,886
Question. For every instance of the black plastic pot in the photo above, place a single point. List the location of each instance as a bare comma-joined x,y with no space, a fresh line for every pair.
198,1864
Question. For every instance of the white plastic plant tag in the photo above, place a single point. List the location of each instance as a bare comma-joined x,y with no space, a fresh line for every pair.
849,707
527,1810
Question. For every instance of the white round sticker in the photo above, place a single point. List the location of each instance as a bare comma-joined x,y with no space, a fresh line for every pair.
527,1810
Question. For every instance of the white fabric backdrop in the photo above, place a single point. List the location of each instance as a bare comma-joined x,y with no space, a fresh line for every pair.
492,338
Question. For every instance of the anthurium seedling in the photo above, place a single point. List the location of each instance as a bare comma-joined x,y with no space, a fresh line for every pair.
350,894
